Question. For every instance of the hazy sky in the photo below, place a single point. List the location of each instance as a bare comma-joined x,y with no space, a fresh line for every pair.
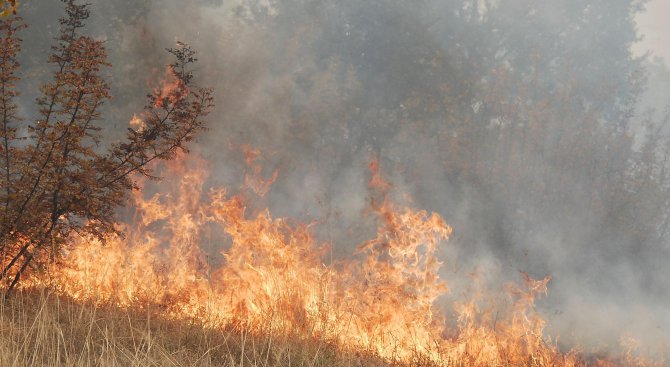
656,29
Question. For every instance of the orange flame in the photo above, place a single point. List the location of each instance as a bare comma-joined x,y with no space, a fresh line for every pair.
172,89
136,123
255,180
273,278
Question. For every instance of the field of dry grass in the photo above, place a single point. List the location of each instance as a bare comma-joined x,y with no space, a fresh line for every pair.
40,329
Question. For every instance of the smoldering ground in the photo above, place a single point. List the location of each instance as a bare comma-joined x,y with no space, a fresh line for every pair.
524,125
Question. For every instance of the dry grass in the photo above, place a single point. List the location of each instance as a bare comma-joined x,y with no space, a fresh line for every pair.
40,329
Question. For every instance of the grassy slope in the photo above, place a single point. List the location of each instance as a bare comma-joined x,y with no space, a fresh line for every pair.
37,329
41,329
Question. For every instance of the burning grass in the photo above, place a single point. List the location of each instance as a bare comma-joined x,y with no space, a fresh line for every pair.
274,293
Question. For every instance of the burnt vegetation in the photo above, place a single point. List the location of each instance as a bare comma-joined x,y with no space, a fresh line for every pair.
57,177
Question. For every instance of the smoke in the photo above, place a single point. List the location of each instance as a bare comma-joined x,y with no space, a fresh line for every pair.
435,90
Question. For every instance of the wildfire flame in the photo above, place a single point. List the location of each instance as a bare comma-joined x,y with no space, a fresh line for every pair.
255,180
273,277
136,123
171,90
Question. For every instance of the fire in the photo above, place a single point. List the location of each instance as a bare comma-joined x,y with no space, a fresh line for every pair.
273,277
136,123
171,90
255,180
